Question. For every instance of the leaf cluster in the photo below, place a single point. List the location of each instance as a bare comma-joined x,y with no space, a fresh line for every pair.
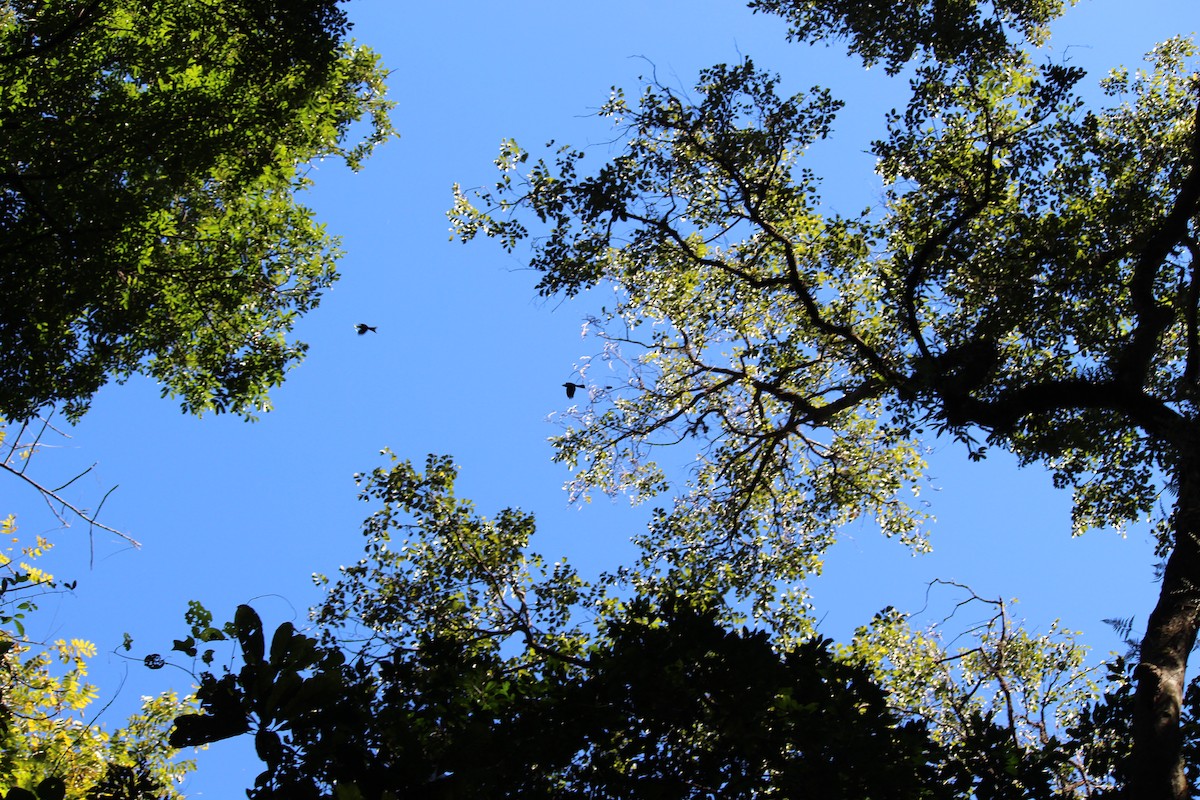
50,745
941,31
148,171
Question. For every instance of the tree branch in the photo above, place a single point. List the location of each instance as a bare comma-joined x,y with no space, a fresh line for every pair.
1133,363
52,495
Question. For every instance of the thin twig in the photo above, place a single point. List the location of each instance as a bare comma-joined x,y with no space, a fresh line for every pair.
90,519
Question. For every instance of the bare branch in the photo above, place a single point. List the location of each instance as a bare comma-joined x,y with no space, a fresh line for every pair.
51,495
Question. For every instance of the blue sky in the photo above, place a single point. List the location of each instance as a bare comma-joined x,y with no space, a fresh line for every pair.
467,360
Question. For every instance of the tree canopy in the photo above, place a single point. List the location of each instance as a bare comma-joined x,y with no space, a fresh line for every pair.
454,661
150,159
149,162
1028,282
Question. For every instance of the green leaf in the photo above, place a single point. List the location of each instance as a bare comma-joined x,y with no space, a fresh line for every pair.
249,632
52,789
186,646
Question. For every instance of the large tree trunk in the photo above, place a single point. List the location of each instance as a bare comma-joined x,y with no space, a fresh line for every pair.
1157,769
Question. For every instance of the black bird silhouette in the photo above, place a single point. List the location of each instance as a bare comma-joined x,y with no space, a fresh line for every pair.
571,387
363,327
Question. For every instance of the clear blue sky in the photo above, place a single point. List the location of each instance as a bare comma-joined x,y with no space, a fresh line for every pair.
469,362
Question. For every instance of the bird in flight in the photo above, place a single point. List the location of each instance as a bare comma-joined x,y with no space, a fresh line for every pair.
571,387
363,327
